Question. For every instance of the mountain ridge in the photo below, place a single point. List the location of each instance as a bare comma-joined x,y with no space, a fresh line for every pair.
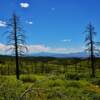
61,55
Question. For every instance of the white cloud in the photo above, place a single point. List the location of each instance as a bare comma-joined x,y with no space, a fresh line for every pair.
66,40
3,47
24,5
37,48
41,48
29,22
3,23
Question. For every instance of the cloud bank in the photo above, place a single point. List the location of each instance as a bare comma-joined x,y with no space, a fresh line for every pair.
41,48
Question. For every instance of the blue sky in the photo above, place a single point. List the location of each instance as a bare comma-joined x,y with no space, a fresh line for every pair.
52,25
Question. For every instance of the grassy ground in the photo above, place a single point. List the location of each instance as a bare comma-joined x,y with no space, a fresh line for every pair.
48,87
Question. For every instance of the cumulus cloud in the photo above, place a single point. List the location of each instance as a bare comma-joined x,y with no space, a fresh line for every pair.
24,5
3,23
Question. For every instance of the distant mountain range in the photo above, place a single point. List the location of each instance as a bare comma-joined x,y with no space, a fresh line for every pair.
60,55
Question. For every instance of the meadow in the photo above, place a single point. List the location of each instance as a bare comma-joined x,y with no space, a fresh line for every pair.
48,78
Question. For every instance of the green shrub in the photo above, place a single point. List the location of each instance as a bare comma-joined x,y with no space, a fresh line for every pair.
91,95
72,76
28,78
10,88
75,84
75,76
96,81
53,77
58,82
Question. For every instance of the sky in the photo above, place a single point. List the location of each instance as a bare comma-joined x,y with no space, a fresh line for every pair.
55,26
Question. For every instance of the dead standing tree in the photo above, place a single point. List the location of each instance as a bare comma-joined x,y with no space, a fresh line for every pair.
16,40
91,47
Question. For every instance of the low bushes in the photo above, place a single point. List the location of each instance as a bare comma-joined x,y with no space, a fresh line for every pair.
74,76
95,81
10,88
28,78
46,88
74,84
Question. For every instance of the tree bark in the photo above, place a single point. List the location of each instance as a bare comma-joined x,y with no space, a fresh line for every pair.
16,46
